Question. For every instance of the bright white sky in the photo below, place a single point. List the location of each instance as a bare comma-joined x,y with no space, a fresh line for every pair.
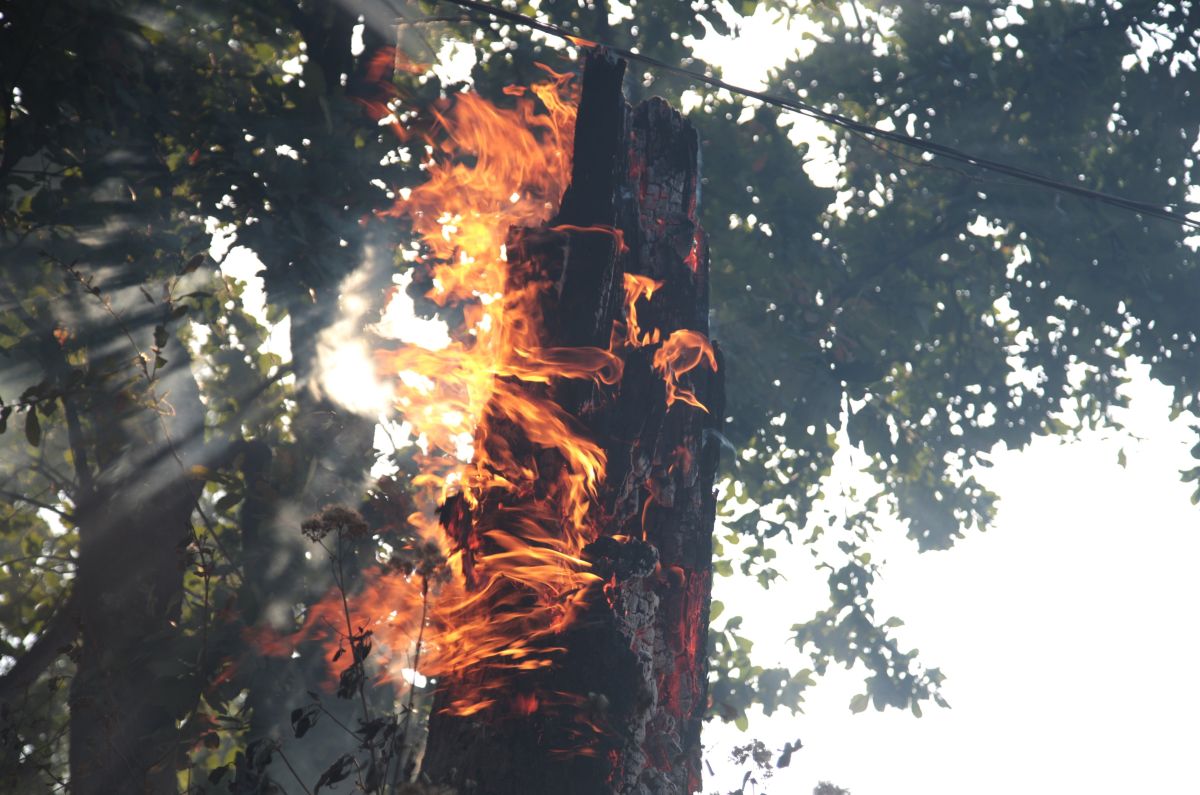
1065,632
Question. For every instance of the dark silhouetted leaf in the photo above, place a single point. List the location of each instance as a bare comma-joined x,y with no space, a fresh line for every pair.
336,772
229,500
33,428
785,755
304,718
350,680
192,264
369,730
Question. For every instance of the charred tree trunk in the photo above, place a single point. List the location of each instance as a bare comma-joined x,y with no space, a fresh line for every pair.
635,667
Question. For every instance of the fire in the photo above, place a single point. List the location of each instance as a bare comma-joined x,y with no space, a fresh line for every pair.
513,545
511,513
682,352
636,288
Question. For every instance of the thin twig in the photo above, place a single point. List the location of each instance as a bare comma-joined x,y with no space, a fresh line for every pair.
339,577
295,775
402,734
24,558
334,718
12,495
412,689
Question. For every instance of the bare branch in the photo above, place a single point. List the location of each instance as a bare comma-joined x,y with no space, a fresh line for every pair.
12,495
58,634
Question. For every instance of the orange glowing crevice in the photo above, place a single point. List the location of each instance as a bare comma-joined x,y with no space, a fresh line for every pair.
636,288
692,259
616,234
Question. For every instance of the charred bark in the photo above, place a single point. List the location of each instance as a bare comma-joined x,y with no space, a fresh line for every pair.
631,686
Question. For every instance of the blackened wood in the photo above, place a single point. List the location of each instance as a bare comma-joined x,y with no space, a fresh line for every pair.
635,667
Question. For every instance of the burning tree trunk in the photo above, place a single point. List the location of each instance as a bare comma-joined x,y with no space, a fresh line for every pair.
619,709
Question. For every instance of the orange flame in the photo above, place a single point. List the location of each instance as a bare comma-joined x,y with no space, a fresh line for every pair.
682,352
582,42
520,475
507,492
516,575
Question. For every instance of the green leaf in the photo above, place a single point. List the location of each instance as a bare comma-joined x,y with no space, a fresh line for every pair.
715,610
859,703
742,722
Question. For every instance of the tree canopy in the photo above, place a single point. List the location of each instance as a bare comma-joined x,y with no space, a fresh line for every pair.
169,428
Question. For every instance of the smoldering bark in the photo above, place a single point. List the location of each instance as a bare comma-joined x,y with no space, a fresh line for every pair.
635,666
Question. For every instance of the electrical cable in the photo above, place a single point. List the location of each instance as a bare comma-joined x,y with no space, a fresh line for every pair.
836,119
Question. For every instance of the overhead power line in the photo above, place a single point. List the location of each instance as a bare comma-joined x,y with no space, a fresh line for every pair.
1164,212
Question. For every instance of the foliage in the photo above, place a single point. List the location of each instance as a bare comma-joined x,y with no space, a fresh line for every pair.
921,312
933,313
760,763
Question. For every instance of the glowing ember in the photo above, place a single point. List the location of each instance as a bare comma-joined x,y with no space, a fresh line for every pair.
636,288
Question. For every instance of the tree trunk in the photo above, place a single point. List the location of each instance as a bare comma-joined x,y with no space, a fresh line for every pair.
635,667
134,679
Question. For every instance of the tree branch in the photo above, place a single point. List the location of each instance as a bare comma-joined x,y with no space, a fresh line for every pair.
12,495
59,633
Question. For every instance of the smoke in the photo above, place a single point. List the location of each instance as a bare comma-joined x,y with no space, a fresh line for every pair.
346,372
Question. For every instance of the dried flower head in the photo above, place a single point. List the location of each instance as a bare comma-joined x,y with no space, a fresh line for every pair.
422,558
335,519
